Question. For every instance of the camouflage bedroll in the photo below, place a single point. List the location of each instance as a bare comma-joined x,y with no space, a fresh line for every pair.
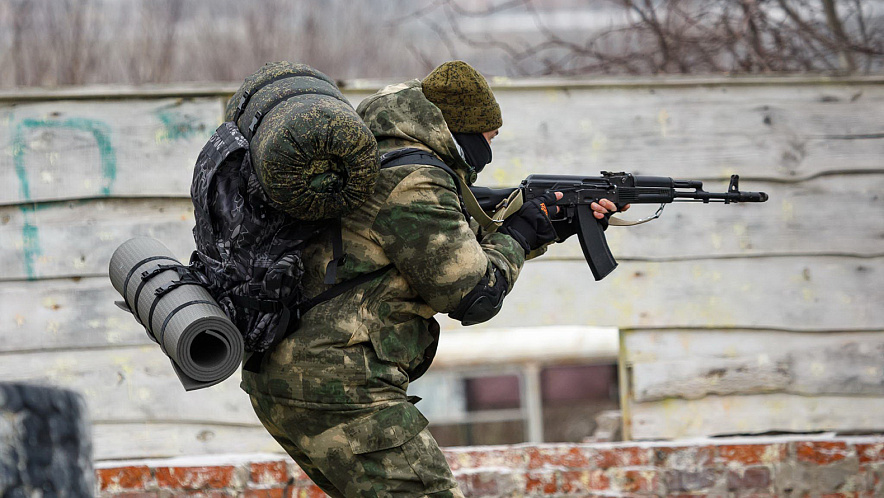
178,313
313,155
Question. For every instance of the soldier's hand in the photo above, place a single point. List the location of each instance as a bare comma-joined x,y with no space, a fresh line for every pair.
605,207
531,226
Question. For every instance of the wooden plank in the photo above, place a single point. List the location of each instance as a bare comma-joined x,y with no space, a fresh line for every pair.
498,83
65,314
821,293
77,238
75,149
138,440
772,132
755,414
131,384
71,150
695,364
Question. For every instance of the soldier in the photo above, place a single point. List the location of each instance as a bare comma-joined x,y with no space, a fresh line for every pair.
334,393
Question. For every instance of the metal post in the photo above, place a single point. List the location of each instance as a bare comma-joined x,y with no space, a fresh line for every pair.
532,403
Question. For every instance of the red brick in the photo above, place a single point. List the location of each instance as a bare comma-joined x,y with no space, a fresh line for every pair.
544,483
685,480
582,481
748,478
269,472
511,458
204,494
752,454
694,495
479,483
629,456
134,494
312,491
567,457
678,457
821,452
869,453
265,493
195,477
636,481
120,478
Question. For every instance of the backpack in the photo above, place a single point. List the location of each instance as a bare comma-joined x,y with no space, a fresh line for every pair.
249,253
248,246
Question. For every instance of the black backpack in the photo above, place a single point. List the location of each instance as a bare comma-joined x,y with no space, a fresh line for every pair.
248,253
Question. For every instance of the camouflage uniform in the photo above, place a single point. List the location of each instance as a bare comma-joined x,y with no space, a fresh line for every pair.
334,394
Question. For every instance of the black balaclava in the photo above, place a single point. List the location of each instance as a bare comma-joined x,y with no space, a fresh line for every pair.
476,149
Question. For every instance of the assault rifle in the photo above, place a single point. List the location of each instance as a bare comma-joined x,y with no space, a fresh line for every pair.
575,214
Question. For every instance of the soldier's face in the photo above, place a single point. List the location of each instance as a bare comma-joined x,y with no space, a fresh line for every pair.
489,135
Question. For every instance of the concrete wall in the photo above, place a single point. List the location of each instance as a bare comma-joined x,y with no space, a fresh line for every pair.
82,170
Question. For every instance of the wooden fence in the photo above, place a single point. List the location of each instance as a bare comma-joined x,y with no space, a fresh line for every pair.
772,297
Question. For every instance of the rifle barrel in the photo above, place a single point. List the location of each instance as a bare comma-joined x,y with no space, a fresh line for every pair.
723,196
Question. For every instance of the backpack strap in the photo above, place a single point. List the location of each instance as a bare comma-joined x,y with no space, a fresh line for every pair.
259,115
247,95
413,155
292,321
338,254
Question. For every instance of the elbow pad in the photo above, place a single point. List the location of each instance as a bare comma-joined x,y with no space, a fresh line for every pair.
483,302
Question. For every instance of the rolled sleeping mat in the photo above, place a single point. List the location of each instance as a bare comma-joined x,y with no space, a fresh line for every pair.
204,345
312,153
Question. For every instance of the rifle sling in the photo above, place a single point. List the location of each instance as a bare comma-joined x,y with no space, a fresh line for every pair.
420,156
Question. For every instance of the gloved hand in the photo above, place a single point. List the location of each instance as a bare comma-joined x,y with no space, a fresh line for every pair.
602,211
531,226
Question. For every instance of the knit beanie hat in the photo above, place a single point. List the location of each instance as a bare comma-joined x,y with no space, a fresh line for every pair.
464,98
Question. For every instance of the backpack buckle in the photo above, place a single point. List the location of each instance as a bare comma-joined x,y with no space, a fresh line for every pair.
255,122
241,107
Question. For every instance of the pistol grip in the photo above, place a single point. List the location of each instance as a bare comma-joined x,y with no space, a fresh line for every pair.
593,242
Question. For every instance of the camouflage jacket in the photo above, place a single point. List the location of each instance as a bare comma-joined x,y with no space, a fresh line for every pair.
357,347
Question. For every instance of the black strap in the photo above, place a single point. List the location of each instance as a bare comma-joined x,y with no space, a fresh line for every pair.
138,291
171,314
254,303
253,364
144,280
338,255
343,287
259,115
162,291
413,155
247,95
185,277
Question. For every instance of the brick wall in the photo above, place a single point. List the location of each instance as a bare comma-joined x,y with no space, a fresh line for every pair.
744,467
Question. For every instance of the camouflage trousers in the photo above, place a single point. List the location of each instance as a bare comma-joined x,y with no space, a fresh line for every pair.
383,450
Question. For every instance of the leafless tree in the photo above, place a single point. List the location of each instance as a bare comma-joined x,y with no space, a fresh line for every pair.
73,42
679,36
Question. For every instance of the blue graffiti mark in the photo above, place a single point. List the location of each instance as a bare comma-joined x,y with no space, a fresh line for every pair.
31,248
30,242
178,125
